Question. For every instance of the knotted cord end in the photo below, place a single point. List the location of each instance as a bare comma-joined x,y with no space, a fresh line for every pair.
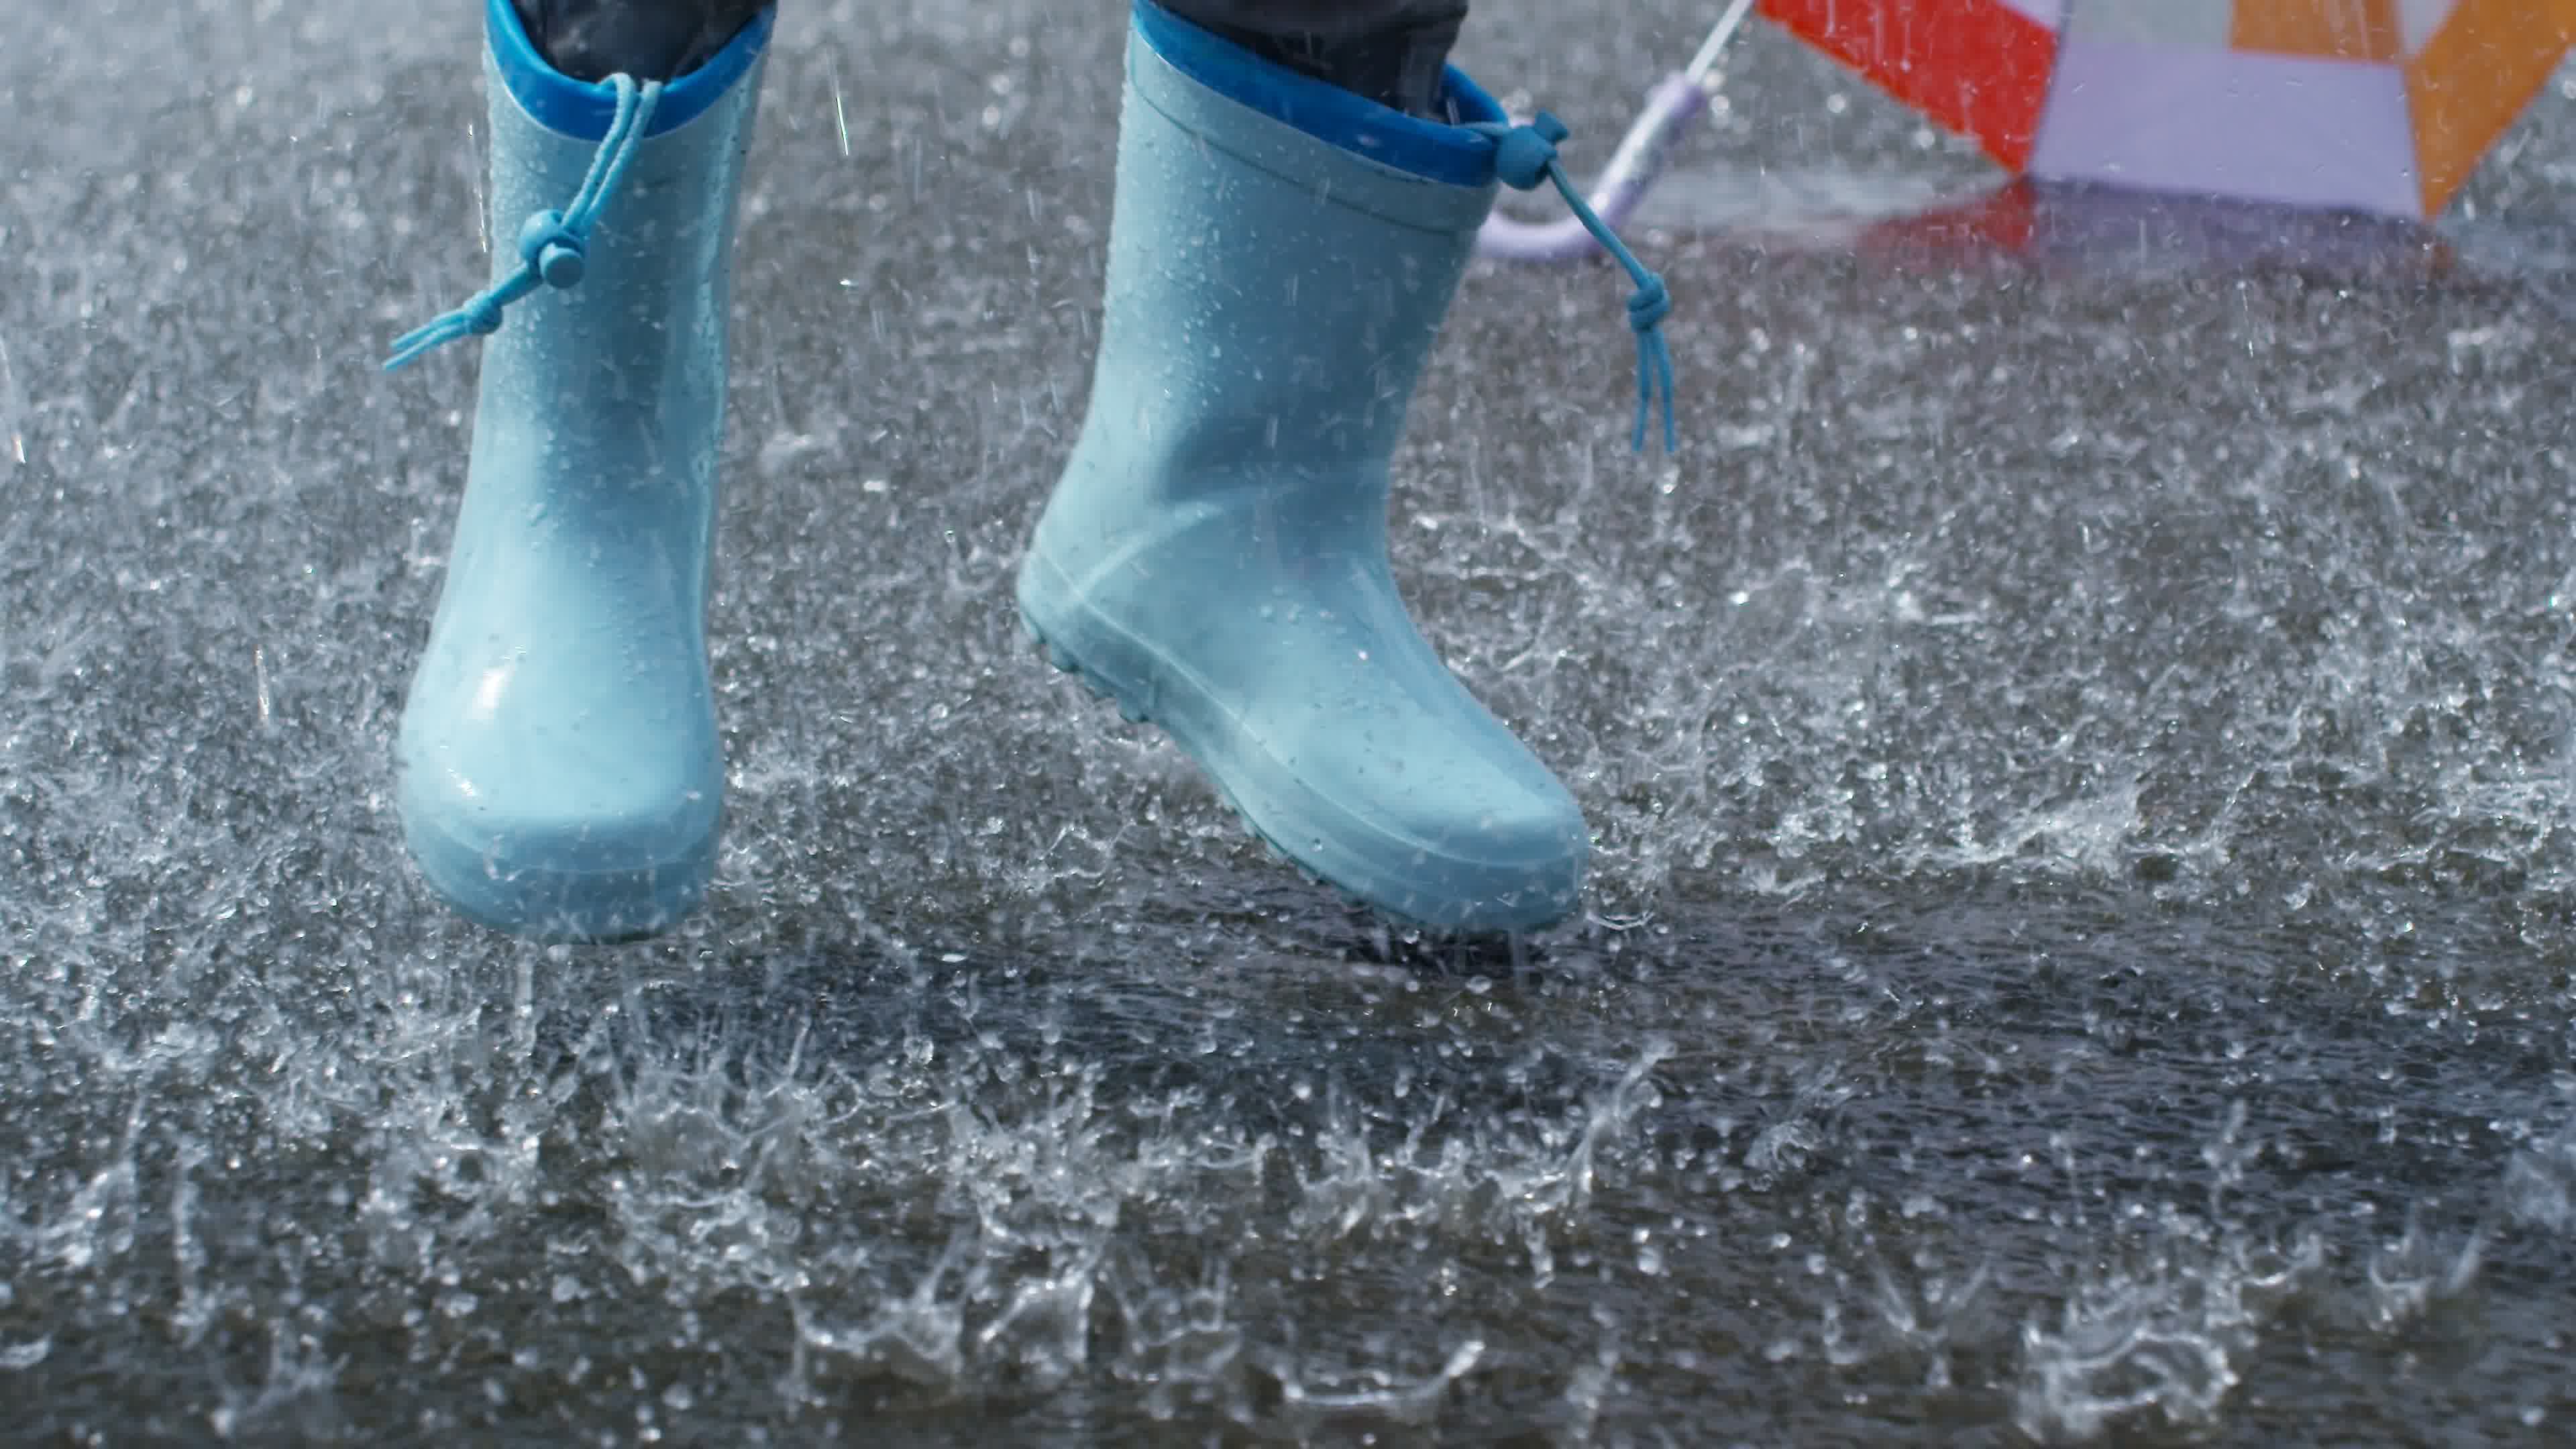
554,246
1525,156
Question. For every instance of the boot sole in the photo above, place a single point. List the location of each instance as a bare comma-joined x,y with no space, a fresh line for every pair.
563,907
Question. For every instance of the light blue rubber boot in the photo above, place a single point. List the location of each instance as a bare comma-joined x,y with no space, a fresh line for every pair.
560,772
1281,256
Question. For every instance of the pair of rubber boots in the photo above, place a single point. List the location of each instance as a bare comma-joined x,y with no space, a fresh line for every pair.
1282,254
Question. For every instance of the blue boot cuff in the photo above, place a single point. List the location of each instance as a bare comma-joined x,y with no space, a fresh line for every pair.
584,109
1354,123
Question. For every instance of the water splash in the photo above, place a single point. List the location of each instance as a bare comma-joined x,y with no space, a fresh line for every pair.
2161,1338
2540,1184
1532,1186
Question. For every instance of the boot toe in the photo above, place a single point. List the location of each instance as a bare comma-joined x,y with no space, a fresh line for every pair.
560,852
1338,735
1501,853
1459,830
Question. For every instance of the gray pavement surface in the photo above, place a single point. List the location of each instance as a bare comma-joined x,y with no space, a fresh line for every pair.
2079,744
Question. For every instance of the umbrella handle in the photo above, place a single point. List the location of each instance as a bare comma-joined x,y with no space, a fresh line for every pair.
1669,111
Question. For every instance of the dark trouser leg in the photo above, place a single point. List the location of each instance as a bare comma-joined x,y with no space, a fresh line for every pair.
647,39
1390,51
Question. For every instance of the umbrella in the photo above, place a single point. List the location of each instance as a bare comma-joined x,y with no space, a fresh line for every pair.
2381,106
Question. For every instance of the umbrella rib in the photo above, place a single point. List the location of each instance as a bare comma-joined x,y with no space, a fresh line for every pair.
1710,49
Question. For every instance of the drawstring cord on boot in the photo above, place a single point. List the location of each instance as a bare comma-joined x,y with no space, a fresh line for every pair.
1524,156
553,245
